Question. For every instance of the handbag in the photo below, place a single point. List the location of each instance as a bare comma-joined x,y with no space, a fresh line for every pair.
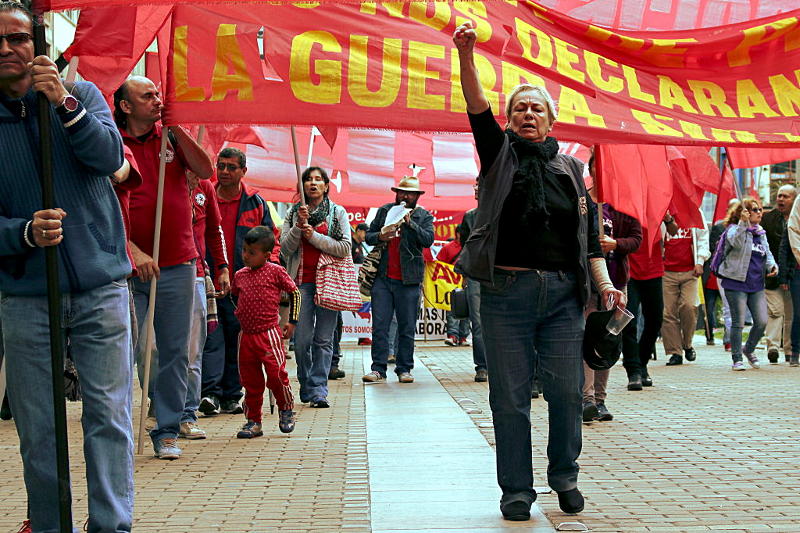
459,304
369,270
337,284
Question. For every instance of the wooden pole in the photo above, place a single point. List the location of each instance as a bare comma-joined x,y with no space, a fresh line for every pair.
297,168
151,305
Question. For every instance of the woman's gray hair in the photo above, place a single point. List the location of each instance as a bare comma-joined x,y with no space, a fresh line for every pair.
538,89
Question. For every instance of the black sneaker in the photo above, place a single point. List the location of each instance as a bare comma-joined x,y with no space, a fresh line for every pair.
517,508
772,356
231,407
634,382
571,501
603,414
336,373
319,403
209,405
589,412
675,359
647,381
690,354
481,375
5,410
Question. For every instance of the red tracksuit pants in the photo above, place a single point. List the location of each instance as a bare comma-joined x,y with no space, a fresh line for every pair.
258,353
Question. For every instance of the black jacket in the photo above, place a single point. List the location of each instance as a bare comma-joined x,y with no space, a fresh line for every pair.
774,224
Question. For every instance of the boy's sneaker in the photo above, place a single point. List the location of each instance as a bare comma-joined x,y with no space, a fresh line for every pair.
738,365
250,430
753,360
373,377
166,449
772,356
451,340
231,407
189,430
286,421
603,414
209,406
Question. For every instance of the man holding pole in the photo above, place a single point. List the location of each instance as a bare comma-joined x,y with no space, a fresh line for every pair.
88,230
137,113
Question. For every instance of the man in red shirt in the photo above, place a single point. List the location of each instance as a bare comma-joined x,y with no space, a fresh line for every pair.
684,255
241,209
137,113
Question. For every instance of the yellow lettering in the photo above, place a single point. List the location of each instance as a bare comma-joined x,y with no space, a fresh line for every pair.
758,35
722,135
544,57
438,20
695,131
476,12
565,58
602,35
791,137
787,94
750,100
488,79
358,72
670,94
634,89
229,55
329,71
613,84
650,123
418,74
572,104
665,53
709,95
514,75
183,93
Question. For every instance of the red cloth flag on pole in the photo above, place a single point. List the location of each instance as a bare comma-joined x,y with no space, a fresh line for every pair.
756,157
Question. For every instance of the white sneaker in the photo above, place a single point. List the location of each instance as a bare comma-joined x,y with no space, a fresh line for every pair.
753,360
189,430
373,377
738,365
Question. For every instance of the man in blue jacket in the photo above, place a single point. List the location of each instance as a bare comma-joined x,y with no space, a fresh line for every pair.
93,266
397,285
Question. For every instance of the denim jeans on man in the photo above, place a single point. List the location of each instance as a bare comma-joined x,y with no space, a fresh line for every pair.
739,301
392,297
794,290
172,321
526,316
473,289
197,340
221,355
98,326
313,345
457,328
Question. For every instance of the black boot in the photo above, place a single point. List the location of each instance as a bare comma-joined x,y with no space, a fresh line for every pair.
5,410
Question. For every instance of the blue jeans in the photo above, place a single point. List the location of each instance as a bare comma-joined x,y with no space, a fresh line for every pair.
794,289
391,297
221,355
97,324
533,319
313,345
457,328
172,321
197,339
738,301
473,289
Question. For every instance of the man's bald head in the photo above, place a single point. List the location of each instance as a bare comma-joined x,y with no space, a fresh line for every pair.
785,199
137,101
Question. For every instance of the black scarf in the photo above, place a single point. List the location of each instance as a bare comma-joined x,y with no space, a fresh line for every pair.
320,214
529,179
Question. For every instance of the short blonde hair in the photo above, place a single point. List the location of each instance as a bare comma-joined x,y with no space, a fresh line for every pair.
538,89
735,211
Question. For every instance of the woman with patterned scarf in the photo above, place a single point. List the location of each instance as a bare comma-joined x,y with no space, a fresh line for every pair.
309,230
535,254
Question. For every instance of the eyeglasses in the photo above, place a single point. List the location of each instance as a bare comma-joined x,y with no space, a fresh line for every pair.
230,166
16,39
756,210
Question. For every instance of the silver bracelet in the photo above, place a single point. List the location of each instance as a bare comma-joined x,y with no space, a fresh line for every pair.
25,234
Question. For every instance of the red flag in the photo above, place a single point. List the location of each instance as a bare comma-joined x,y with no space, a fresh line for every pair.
725,193
635,179
693,173
104,32
108,72
756,157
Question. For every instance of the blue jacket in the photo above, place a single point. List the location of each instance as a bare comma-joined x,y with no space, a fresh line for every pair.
738,249
414,236
92,253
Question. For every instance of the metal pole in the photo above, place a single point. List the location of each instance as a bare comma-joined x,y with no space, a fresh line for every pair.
53,299
310,146
151,305
297,168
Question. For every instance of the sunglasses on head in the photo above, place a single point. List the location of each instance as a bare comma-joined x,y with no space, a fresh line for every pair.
16,39
230,166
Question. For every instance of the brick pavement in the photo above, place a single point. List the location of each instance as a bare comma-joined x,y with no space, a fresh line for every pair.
706,449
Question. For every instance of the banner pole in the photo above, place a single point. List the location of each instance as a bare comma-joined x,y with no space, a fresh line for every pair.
53,297
297,168
151,304
310,146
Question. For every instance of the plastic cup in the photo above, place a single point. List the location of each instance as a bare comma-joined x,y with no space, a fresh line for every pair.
619,320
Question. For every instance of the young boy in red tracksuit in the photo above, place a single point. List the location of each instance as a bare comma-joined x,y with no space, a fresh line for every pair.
258,287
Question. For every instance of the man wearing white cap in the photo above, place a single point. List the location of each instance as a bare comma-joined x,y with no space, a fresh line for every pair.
397,284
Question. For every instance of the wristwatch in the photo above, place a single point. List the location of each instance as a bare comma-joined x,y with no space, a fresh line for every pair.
68,104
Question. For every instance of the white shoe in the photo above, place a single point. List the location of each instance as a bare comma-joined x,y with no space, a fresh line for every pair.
189,430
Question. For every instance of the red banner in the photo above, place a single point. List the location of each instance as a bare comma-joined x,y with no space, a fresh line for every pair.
393,65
